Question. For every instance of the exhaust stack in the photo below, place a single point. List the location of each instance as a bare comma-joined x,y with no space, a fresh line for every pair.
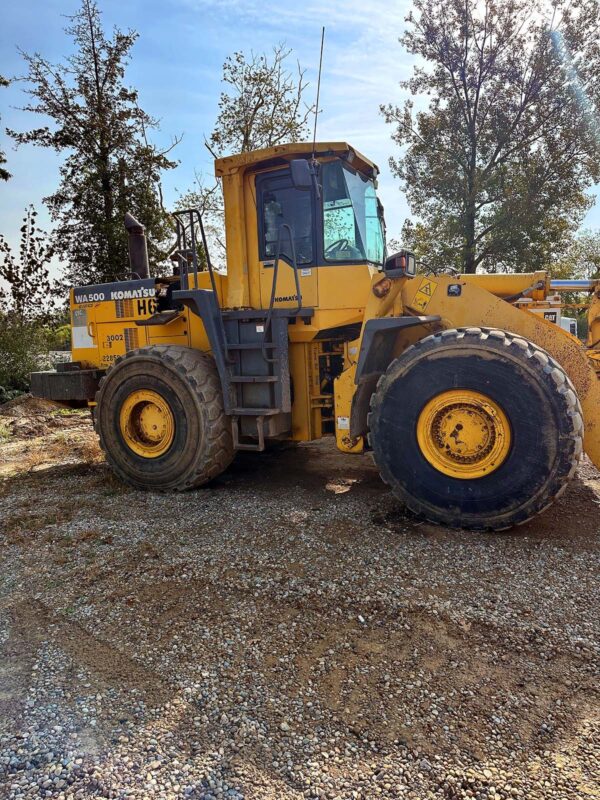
138,250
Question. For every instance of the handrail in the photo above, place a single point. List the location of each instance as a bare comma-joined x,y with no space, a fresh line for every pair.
183,249
294,265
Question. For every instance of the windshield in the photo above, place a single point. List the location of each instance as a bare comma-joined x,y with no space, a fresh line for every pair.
352,226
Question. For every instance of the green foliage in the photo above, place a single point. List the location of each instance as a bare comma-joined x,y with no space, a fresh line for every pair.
109,167
4,173
24,345
62,337
28,293
262,105
582,259
497,164
431,250
29,324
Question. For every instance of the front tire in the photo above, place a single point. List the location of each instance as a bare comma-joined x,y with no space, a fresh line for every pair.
161,420
476,428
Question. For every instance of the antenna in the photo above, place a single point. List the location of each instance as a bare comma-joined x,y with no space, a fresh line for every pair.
318,91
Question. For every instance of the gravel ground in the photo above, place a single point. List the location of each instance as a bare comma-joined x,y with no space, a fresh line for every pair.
288,632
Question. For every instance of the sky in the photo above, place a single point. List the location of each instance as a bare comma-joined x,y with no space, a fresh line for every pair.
176,66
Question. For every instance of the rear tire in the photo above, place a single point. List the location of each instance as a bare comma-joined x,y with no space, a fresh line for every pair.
532,402
186,390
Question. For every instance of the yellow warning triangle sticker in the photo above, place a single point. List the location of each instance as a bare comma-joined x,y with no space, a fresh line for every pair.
425,287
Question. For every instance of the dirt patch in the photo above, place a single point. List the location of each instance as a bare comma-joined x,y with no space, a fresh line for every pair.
27,406
269,636
28,417
38,434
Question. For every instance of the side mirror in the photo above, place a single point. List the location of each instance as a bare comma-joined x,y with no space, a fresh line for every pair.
401,264
302,176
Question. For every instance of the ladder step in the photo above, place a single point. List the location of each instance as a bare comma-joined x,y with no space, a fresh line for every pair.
249,346
260,431
254,412
253,379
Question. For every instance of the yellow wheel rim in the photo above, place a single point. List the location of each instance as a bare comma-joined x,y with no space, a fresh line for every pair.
147,423
463,434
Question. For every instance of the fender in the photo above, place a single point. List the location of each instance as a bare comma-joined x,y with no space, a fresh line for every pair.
378,339
376,353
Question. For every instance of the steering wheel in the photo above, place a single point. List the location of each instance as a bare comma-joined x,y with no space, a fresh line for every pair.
335,247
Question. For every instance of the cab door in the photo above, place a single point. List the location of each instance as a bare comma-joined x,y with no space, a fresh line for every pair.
280,205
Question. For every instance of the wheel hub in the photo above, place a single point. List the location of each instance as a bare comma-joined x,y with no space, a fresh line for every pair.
147,423
464,434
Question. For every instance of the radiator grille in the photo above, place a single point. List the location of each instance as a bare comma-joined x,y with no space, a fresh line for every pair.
131,339
124,308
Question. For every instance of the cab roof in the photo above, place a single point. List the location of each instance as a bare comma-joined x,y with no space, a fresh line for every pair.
281,153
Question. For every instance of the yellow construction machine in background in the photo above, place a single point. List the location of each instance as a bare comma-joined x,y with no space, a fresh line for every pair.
475,403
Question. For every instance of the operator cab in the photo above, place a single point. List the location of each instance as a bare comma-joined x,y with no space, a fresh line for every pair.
315,207
335,219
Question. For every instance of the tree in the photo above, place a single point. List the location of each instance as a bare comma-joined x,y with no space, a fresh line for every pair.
263,104
29,291
496,166
109,167
582,259
4,173
27,315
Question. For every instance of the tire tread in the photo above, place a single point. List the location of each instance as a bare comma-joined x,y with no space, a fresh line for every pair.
199,371
522,347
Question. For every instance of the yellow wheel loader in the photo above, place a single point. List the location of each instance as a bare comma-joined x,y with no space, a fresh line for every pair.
474,402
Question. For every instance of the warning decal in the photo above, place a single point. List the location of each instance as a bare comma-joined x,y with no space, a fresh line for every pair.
424,294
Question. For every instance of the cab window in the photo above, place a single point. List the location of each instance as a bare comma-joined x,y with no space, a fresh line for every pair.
352,225
280,203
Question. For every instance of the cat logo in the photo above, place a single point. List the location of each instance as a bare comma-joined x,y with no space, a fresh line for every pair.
424,294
